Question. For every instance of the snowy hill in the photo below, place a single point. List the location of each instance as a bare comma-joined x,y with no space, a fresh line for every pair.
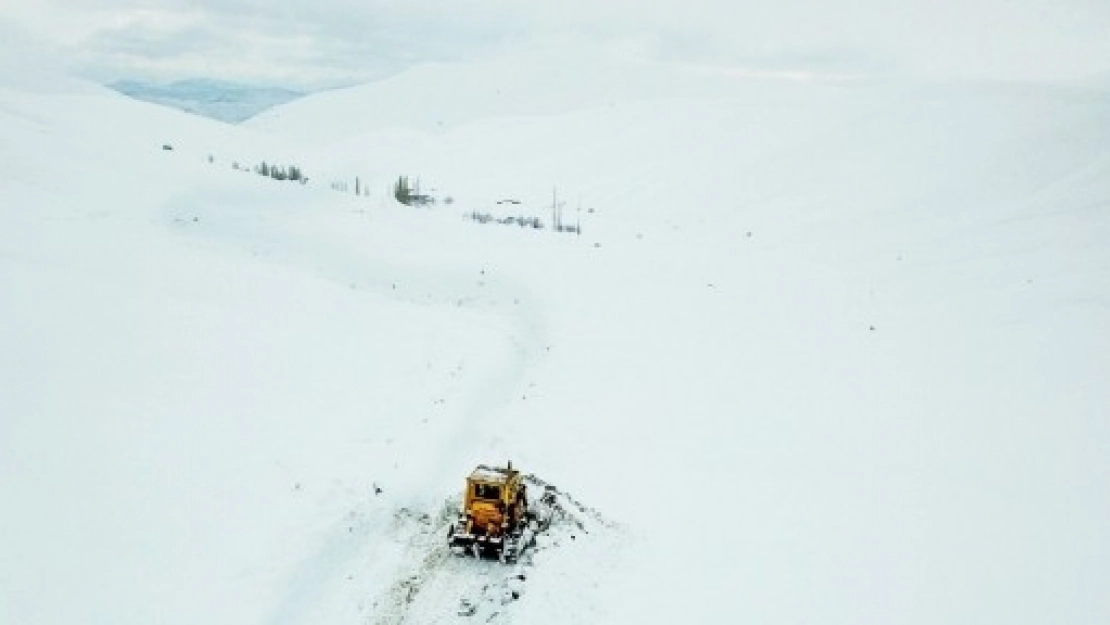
435,97
825,350
229,102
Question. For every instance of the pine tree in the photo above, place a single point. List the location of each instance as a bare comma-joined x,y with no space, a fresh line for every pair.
402,191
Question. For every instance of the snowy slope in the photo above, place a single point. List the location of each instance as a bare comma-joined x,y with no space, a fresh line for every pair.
153,469
533,81
825,351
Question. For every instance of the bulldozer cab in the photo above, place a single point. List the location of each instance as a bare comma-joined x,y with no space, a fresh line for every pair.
492,484
494,499
489,492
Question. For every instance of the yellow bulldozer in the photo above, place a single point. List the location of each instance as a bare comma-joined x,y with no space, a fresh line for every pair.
494,520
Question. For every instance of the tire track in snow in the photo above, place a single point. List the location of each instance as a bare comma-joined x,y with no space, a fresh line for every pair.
316,578
285,237
258,230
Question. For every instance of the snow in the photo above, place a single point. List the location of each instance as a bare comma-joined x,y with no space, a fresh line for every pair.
488,474
825,351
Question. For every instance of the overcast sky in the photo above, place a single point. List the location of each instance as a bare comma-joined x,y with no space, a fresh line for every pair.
327,42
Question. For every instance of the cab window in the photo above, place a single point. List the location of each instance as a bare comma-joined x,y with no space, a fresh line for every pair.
487,491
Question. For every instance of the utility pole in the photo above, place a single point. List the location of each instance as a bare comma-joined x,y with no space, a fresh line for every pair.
554,210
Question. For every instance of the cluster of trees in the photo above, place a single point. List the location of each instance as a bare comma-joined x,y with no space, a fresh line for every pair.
292,172
557,216
408,192
519,220
558,224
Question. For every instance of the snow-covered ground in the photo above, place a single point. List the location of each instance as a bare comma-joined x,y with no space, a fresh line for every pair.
828,349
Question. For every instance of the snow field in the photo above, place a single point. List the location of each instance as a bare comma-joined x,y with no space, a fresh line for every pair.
825,351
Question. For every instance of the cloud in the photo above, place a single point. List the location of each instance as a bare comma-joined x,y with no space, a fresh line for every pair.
290,42
332,41
25,58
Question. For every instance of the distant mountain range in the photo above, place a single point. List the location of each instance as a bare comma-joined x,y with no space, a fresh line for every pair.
225,101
